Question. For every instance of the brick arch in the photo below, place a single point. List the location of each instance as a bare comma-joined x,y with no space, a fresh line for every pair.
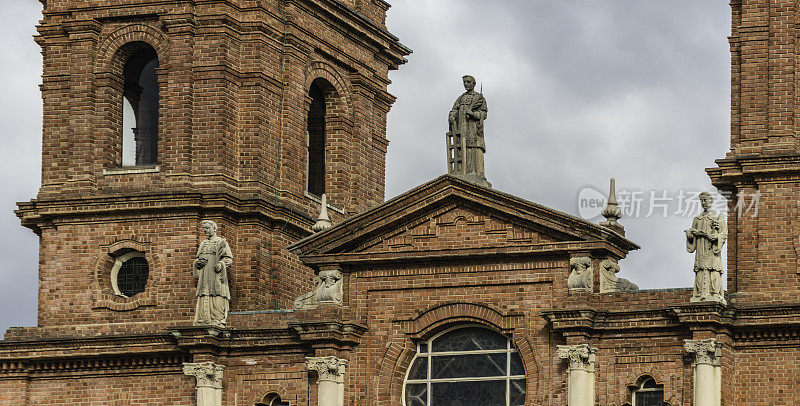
446,314
321,70
670,393
400,351
109,51
262,393
111,56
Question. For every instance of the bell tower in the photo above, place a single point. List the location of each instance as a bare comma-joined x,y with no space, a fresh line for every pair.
158,115
762,170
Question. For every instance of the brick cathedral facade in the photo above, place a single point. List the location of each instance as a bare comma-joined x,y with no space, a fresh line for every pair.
449,294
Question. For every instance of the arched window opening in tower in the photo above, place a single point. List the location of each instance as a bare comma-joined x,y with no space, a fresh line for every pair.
140,109
316,140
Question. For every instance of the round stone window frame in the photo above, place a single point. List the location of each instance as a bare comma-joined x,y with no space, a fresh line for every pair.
103,294
118,261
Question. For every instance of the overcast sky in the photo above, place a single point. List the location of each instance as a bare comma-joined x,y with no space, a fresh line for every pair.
578,91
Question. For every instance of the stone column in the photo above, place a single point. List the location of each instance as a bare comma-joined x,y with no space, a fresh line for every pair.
330,383
581,373
209,382
707,371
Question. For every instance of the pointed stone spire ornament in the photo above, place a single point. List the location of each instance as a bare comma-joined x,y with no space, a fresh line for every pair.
612,212
323,221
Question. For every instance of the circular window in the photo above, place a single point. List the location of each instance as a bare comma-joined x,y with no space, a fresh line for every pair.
469,366
129,275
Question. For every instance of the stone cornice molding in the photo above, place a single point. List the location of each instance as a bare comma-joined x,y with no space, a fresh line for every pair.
88,365
581,356
42,213
706,351
329,334
747,170
208,374
329,368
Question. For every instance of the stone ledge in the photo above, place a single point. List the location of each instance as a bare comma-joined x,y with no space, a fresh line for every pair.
125,170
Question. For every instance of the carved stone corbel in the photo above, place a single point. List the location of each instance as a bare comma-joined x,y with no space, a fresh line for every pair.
609,282
328,290
581,273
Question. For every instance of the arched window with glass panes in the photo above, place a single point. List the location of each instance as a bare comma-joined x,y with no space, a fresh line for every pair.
465,366
647,392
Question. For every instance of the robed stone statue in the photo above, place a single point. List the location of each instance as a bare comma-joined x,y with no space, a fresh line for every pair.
705,239
214,257
465,144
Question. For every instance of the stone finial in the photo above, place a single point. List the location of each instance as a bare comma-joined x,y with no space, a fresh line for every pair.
612,212
323,221
706,352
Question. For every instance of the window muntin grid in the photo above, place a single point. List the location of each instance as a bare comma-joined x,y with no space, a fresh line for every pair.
648,393
129,274
465,366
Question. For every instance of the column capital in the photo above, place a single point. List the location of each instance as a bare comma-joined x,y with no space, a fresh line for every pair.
208,374
580,356
328,368
706,351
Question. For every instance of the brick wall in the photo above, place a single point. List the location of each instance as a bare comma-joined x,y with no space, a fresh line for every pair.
233,83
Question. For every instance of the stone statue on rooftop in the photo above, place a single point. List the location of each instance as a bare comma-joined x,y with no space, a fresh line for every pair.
465,144
214,257
706,238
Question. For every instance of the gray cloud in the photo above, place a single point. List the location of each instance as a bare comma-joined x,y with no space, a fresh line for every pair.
20,127
578,91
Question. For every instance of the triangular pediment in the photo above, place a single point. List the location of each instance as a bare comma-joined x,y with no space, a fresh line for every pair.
459,225
449,215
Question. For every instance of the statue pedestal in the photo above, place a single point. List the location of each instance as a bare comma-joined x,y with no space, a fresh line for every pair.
474,178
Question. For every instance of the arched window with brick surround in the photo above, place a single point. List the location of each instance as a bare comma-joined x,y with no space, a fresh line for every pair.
466,365
272,399
316,137
140,102
647,392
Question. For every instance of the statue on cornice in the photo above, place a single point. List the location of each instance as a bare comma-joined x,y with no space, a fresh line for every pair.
706,238
214,257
